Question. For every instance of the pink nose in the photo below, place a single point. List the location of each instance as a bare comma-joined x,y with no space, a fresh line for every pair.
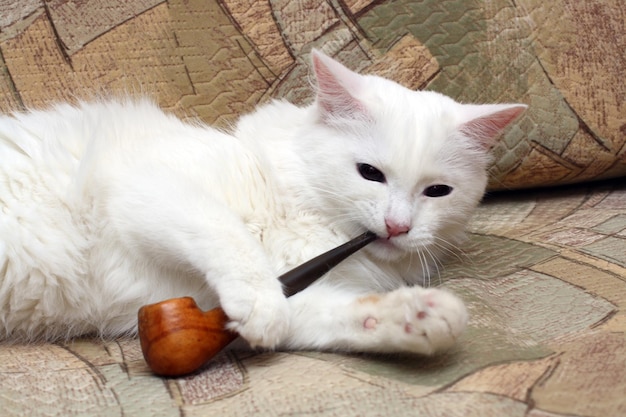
395,229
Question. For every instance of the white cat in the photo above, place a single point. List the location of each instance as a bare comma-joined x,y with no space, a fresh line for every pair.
112,205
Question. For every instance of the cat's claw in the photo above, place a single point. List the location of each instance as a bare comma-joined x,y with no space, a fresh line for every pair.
415,319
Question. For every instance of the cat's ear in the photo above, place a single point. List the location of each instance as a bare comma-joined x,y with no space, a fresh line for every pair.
484,122
337,88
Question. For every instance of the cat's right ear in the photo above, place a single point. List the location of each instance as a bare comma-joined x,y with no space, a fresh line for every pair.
484,122
337,89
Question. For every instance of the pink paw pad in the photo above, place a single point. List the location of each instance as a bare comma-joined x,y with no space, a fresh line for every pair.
429,300
370,323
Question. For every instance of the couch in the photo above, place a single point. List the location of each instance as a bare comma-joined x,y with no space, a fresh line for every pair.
543,271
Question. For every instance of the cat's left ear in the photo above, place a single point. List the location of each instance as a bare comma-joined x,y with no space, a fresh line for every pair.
338,88
484,122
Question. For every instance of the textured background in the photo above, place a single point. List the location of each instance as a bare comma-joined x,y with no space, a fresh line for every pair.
543,272
216,59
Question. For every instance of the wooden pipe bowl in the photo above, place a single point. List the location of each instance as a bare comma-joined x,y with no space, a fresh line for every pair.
177,337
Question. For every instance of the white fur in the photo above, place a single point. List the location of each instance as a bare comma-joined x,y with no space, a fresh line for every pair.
112,205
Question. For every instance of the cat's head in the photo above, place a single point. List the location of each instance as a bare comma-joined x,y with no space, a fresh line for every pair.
407,165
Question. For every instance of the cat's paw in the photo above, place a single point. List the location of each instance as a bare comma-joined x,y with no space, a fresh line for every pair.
415,319
262,318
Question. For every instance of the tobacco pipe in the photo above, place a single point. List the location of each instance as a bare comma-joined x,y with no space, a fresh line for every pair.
177,338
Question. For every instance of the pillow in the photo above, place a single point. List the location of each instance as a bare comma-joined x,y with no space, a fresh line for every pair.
217,59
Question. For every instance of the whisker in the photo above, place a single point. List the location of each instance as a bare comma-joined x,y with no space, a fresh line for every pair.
435,261
424,274
453,250
448,249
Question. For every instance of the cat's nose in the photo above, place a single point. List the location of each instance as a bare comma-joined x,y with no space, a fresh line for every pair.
395,229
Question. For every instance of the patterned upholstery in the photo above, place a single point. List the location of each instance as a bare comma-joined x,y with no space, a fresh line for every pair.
217,59
543,271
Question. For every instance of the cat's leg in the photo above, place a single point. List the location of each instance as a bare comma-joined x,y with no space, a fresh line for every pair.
409,319
173,222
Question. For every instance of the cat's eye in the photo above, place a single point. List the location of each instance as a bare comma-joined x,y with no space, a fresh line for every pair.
370,173
438,190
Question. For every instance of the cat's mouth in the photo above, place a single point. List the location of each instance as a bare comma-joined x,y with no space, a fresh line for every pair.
387,248
387,242
390,242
